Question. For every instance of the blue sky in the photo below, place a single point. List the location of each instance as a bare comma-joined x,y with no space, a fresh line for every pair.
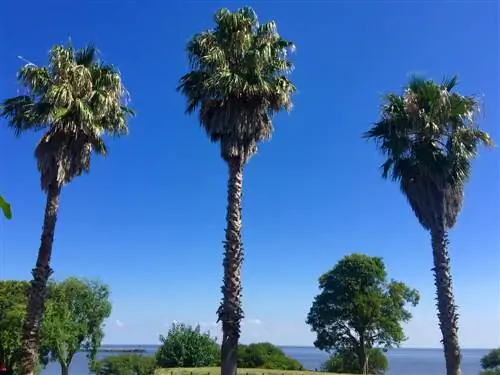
149,219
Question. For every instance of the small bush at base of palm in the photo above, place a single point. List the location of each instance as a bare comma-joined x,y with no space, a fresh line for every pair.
186,346
266,355
346,362
126,364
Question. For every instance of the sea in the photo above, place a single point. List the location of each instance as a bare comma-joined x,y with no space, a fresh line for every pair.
401,361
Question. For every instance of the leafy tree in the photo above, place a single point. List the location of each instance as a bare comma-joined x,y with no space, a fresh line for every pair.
358,308
491,362
127,364
347,362
267,356
74,319
13,300
238,82
75,99
5,207
185,346
429,136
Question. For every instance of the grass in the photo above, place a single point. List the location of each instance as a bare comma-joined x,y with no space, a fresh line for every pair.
241,371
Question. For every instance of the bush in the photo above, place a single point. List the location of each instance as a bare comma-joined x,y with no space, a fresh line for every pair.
491,361
185,346
345,362
490,372
126,364
266,355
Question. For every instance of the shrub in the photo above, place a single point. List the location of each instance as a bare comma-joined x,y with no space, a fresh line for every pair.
346,362
266,355
491,361
185,346
126,364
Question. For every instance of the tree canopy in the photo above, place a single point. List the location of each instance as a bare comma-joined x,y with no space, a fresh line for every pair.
358,308
74,316
76,99
13,300
429,136
74,319
238,80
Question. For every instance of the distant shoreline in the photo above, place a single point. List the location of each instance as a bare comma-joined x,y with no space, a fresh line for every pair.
120,350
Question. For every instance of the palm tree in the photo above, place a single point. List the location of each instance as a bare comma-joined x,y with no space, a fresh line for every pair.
238,81
429,136
76,99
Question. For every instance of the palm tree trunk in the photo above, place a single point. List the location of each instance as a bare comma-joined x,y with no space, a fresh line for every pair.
230,312
38,289
447,314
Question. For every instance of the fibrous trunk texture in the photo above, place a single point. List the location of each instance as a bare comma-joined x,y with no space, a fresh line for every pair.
38,289
447,314
230,312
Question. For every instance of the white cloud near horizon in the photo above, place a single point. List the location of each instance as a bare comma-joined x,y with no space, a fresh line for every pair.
119,323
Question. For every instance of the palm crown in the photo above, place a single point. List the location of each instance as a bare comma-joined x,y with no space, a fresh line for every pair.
76,99
429,136
238,80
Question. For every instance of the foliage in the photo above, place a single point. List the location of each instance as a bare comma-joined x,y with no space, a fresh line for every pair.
266,355
490,372
347,362
126,364
238,80
76,99
5,207
429,136
491,361
13,300
74,318
185,346
358,308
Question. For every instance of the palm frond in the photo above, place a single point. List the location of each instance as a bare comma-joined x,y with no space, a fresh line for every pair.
78,99
429,136
238,80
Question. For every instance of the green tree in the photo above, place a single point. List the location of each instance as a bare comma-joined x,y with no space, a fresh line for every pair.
74,319
266,356
75,99
5,207
185,346
347,362
13,300
429,137
358,308
126,364
238,82
490,363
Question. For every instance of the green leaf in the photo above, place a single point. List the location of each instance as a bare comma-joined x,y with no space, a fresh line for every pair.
5,206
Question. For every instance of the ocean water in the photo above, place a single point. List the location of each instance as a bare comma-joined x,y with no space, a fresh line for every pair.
401,361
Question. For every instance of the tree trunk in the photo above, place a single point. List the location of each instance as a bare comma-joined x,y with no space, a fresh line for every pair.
230,312
447,314
362,357
64,369
38,289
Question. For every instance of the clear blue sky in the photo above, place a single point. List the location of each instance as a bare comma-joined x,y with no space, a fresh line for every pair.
149,219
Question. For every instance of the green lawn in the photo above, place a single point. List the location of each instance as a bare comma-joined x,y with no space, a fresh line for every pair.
241,371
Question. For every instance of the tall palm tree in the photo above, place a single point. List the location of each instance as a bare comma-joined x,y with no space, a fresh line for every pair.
429,136
76,99
238,81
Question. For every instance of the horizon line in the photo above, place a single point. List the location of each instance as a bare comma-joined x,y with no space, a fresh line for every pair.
313,347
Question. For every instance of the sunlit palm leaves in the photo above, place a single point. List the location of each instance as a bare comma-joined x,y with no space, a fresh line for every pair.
75,99
238,80
429,136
